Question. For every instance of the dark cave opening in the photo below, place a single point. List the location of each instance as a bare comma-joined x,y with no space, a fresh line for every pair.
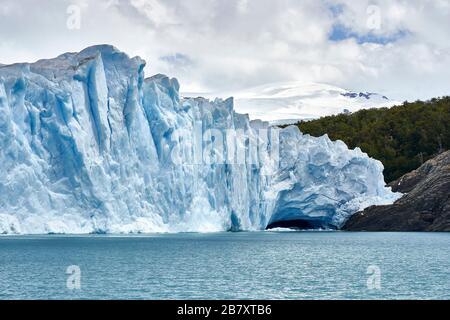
301,224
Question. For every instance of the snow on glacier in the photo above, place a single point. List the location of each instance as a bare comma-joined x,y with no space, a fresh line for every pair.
290,102
89,145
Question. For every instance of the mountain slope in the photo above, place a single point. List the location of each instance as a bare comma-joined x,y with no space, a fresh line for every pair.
286,103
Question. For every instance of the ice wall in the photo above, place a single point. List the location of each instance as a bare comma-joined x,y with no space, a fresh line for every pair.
88,145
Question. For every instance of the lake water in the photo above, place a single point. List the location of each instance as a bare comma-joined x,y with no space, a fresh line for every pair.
260,265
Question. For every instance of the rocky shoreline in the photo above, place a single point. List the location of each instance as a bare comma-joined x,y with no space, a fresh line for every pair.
424,207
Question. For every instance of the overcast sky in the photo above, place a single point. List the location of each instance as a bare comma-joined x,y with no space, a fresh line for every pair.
400,48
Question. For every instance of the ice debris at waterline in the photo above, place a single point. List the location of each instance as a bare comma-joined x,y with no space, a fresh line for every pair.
87,145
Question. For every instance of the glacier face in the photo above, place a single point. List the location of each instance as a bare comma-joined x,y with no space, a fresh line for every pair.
89,145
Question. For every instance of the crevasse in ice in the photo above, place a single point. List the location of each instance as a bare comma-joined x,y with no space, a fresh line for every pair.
88,145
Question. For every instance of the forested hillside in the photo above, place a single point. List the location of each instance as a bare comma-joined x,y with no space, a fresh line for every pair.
402,137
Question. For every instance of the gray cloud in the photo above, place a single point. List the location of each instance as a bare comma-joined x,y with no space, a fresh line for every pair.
226,45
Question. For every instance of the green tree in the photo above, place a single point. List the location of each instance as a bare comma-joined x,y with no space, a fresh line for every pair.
401,137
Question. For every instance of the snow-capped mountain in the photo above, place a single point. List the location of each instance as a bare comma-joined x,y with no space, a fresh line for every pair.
88,144
285,103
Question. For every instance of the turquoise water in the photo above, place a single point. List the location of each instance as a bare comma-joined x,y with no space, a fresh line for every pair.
262,265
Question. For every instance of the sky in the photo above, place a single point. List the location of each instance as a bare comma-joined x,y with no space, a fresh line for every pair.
394,47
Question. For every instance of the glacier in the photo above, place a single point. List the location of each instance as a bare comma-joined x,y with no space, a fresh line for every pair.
89,145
